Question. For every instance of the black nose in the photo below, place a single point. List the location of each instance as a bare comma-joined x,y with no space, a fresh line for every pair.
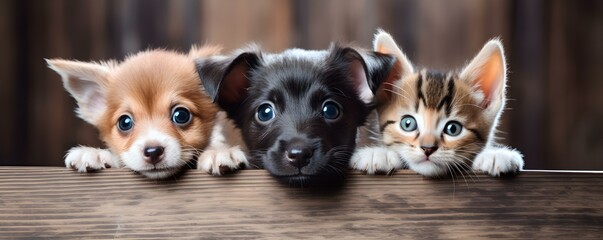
153,154
299,154
429,149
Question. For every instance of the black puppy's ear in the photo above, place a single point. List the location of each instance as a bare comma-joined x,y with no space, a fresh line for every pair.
384,43
225,78
368,69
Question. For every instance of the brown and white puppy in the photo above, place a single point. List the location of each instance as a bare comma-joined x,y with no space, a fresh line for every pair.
152,113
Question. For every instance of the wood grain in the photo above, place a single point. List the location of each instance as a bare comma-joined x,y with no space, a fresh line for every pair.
52,202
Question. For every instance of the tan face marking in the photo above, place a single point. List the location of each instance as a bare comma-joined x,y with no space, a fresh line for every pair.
458,111
429,149
148,87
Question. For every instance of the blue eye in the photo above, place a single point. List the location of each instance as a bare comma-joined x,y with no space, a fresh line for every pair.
265,112
453,128
181,116
330,110
125,123
408,123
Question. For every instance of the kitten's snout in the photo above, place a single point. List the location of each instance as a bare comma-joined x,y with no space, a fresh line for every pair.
429,149
153,154
299,153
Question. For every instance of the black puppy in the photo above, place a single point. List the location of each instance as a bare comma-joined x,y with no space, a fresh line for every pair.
298,110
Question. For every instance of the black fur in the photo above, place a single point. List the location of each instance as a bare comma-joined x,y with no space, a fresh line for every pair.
297,86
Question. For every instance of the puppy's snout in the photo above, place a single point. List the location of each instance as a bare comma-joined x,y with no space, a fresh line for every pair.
153,154
299,153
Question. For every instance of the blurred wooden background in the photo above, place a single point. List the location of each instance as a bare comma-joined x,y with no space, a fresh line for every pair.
554,48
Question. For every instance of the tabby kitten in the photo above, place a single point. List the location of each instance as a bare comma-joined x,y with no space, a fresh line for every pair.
438,123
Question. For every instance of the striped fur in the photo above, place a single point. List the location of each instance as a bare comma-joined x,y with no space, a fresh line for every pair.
433,99
472,100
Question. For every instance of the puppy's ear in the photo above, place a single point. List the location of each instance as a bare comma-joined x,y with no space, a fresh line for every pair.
86,82
384,43
368,69
225,79
488,72
204,51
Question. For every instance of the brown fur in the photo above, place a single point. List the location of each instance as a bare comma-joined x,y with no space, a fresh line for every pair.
148,85
464,106
449,118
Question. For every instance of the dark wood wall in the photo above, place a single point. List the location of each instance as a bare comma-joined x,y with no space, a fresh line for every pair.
554,48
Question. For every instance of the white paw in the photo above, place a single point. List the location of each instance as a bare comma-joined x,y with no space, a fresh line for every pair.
497,161
215,160
376,159
85,159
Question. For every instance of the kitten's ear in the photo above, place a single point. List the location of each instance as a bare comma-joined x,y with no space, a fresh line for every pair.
368,69
225,78
86,82
487,72
384,43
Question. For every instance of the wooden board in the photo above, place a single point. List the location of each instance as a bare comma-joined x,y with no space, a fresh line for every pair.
53,202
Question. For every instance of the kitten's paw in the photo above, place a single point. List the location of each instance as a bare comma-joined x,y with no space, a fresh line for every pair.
217,161
86,159
497,161
376,159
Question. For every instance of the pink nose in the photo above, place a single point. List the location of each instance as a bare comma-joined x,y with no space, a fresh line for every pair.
429,149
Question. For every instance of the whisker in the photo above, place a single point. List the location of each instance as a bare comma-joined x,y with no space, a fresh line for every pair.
453,182
398,94
454,164
397,87
467,169
467,166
